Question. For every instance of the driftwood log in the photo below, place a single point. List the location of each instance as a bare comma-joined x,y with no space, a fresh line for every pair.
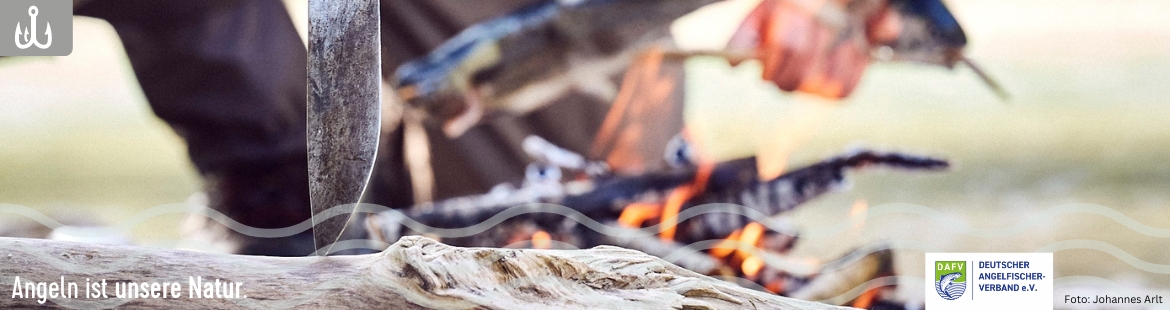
414,273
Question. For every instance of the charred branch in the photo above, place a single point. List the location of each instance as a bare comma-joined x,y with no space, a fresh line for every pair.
733,191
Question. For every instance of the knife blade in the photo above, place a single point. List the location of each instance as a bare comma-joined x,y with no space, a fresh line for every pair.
344,111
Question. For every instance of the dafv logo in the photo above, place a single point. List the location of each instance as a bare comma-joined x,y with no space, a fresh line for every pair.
950,279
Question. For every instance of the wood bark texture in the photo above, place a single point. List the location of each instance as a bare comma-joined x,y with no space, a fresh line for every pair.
414,273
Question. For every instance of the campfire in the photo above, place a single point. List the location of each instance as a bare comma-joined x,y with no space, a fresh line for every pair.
718,219
646,183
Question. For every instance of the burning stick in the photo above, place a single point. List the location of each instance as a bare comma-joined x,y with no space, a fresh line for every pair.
736,190
730,183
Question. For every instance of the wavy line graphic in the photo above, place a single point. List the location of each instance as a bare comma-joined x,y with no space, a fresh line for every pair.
345,210
615,231
519,210
1102,283
653,230
1082,244
871,284
801,268
771,260
135,255
528,208
948,222
805,269
840,299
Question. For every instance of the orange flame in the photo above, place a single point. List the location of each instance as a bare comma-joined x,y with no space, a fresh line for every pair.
743,243
636,213
776,286
541,240
752,265
865,300
674,204
679,196
751,237
727,246
752,233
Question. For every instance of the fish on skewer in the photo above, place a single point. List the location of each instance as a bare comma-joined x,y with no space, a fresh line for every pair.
524,60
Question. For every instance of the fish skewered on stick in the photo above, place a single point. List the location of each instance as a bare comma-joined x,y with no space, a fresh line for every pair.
522,61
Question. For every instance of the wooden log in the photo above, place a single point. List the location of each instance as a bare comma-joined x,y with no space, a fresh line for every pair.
414,273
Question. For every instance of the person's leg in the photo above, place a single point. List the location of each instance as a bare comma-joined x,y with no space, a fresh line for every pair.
229,76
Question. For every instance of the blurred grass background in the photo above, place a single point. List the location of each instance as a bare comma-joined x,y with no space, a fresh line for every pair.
78,138
1087,123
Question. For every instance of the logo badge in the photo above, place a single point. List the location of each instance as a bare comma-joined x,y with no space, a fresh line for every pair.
950,279
42,27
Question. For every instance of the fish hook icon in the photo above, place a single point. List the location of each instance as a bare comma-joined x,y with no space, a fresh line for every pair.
32,14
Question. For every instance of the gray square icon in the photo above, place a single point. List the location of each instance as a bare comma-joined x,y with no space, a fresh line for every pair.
39,27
